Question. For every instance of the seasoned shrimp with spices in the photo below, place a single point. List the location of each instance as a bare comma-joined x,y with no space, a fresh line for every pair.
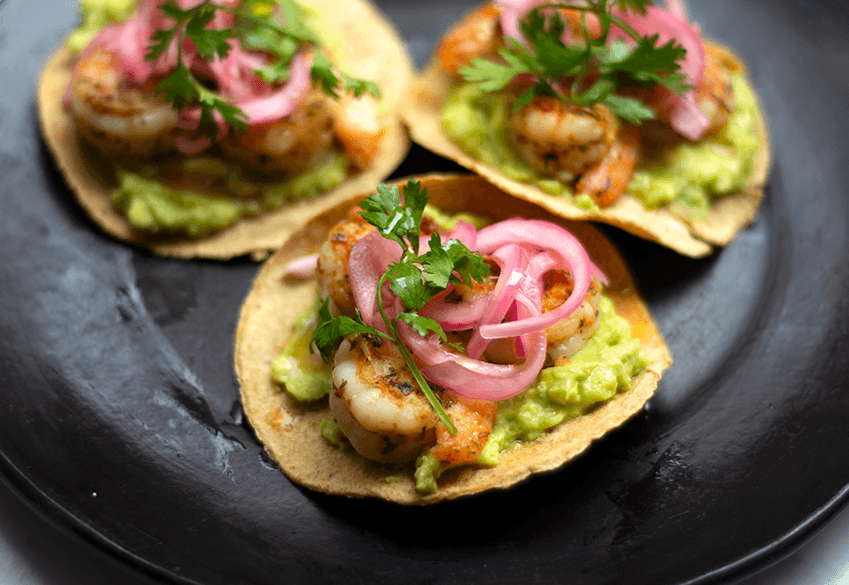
290,145
377,402
572,333
561,139
115,116
478,35
474,420
333,263
359,127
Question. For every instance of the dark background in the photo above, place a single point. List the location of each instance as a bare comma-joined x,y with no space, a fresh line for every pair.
119,414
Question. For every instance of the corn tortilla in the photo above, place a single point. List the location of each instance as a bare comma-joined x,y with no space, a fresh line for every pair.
692,237
375,51
290,430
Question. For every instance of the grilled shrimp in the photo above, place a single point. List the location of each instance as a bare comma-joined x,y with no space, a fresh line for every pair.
561,139
287,146
474,420
333,259
715,94
571,334
478,35
333,263
359,128
377,402
116,117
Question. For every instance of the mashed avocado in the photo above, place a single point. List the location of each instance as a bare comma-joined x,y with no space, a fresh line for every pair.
154,207
95,15
689,176
686,175
304,375
596,373
448,222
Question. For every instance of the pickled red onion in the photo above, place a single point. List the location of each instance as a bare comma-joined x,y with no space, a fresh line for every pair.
480,380
455,316
565,249
303,267
282,102
513,262
524,250
367,262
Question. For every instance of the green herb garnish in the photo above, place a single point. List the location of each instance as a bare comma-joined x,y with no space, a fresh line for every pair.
256,29
414,278
595,69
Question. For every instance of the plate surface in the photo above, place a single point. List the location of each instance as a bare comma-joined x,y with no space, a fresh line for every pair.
120,417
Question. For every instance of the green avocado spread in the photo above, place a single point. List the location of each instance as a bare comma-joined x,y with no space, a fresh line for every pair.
596,373
603,368
155,207
302,373
685,175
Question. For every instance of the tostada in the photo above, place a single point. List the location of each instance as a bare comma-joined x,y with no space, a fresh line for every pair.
432,356
214,128
614,111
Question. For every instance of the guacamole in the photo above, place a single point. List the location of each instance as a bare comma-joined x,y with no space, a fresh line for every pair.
154,207
304,375
596,373
686,176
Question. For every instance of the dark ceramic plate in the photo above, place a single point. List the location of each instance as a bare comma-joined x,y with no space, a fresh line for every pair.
120,414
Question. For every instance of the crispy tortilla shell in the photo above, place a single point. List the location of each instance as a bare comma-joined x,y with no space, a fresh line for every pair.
375,50
688,236
290,430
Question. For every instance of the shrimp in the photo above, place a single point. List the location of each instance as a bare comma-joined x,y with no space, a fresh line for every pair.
116,117
359,128
561,139
478,35
289,145
606,181
715,95
377,402
474,420
335,252
333,263
571,334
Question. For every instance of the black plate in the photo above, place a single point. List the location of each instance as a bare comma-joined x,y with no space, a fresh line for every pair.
120,414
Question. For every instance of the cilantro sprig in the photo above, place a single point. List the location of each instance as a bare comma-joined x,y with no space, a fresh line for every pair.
256,28
596,69
415,278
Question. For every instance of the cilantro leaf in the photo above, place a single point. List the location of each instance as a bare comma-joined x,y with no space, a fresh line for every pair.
595,67
256,28
322,74
330,330
358,87
424,325
408,283
395,220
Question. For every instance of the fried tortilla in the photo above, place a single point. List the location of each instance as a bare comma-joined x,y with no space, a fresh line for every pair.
686,235
289,429
374,50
